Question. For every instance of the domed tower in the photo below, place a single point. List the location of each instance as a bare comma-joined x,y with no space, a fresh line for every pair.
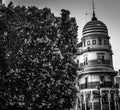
96,72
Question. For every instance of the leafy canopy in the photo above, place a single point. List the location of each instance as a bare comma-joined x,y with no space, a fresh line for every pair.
37,68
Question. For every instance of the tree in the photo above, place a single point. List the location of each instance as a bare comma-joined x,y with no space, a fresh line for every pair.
37,51
3,66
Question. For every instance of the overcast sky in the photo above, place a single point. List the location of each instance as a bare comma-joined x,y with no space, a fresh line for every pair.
107,11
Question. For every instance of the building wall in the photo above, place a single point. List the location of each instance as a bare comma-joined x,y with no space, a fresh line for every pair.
91,58
95,68
94,78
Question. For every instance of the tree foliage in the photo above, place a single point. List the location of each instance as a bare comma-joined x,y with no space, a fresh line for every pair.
37,71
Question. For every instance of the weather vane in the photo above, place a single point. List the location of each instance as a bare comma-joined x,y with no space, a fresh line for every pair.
93,6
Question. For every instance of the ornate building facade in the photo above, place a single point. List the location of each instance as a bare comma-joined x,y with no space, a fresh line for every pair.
97,90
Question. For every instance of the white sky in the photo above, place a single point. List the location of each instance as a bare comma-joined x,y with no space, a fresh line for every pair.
107,11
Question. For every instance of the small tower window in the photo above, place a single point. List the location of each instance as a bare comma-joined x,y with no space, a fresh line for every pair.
101,58
105,42
85,61
78,62
84,43
100,41
88,42
86,82
94,42
102,79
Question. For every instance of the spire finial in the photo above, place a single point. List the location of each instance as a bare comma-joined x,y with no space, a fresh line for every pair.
93,8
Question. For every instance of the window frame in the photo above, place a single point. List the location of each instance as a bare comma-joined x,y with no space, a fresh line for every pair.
86,82
88,42
94,42
100,41
101,58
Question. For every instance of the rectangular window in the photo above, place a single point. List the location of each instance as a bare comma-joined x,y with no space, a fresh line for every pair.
100,41
88,96
105,42
86,82
78,62
102,80
85,61
105,97
101,58
96,95
84,43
